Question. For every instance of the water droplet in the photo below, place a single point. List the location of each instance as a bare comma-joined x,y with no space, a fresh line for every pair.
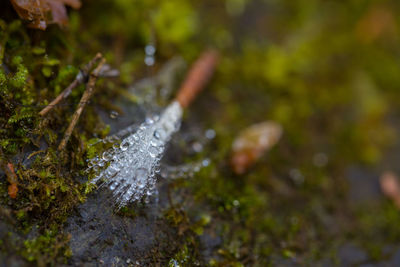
114,114
197,147
320,159
129,194
107,155
150,50
296,176
153,151
205,162
149,60
149,121
113,185
141,174
160,134
210,134
124,145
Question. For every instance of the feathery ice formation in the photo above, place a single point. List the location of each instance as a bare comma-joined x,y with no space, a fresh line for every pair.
129,169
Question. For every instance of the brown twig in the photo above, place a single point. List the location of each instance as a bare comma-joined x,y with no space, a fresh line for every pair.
79,79
199,74
85,98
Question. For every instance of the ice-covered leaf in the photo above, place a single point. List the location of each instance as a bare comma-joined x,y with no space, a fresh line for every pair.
252,143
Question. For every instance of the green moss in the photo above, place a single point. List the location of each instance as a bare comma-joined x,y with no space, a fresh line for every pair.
46,248
181,258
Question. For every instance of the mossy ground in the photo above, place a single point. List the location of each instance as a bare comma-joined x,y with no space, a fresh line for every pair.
316,67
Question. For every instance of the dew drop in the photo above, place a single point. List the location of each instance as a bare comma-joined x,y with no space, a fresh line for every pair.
206,162
153,151
210,134
197,147
107,155
149,121
150,50
114,114
113,185
124,145
149,60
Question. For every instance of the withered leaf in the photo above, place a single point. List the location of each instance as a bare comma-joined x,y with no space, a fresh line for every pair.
378,21
40,13
12,179
252,143
390,187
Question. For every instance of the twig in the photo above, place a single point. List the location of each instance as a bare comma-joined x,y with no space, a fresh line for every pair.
3,40
198,76
79,79
85,98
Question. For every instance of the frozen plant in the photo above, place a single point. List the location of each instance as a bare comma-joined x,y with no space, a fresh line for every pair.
129,170
132,165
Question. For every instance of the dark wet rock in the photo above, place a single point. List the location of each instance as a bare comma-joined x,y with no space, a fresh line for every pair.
100,236
325,263
368,265
350,254
395,260
363,186
210,242
10,238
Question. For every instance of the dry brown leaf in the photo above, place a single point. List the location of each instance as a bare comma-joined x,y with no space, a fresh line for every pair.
40,13
377,22
252,143
12,178
390,186
13,190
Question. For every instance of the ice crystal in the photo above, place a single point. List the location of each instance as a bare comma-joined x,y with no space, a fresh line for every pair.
130,167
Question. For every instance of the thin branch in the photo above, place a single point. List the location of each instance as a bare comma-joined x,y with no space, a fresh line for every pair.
79,79
199,74
85,98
